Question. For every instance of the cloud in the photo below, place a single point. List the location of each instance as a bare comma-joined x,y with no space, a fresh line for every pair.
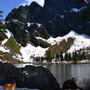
28,2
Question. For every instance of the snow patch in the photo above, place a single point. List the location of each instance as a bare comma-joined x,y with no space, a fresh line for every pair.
28,24
8,35
62,16
80,42
77,9
39,25
30,50
41,38
2,48
15,20
28,2
57,40
26,31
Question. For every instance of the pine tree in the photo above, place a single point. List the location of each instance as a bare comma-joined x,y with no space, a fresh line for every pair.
61,56
48,55
74,57
1,13
0,17
69,57
57,56
66,56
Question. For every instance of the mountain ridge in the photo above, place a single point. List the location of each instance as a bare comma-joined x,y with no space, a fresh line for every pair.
51,19
29,52
37,32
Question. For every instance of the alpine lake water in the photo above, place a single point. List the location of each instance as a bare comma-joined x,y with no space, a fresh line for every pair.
63,72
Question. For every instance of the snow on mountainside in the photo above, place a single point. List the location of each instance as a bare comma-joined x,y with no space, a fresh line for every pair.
2,48
8,35
80,42
26,52
29,51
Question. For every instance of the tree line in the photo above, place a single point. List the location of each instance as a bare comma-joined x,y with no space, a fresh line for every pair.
75,56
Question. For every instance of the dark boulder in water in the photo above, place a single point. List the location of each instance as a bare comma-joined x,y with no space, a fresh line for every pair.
70,84
29,77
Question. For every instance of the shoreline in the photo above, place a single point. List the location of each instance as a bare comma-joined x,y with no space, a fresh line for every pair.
59,62
53,62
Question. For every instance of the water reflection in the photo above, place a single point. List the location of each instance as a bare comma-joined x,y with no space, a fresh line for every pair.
64,72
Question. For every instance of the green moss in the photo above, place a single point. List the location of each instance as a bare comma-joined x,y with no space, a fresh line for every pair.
43,44
13,45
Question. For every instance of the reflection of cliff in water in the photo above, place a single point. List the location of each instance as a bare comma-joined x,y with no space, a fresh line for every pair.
63,72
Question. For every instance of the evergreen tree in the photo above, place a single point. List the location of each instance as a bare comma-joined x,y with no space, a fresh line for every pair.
48,55
83,55
1,13
57,57
61,56
69,57
2,28
74,57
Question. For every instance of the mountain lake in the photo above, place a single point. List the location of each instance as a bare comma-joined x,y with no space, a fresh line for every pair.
63,72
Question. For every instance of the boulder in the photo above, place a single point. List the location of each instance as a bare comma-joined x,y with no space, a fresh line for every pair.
28,77
70,84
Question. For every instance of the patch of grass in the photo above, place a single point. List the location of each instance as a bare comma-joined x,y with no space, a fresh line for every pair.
63,47
13,46
43,44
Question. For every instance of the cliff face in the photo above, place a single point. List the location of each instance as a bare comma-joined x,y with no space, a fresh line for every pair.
71,12
57,16
61,5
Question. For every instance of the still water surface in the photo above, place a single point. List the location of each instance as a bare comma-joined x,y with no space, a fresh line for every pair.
63,72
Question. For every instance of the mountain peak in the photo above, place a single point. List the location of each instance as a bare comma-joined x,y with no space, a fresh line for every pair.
28,2
72,33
